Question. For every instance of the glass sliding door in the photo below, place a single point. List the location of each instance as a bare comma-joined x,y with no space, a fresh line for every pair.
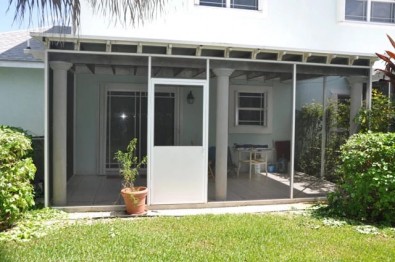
126,118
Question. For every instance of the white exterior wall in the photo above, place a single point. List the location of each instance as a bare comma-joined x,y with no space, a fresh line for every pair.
308,25
22,99
281,124
309,91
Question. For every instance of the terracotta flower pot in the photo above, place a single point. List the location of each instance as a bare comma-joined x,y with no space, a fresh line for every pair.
134,199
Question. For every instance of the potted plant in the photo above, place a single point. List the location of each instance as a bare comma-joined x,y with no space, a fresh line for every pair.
134,197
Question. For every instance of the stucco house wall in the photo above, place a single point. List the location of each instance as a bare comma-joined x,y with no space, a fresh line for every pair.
22,98
305,25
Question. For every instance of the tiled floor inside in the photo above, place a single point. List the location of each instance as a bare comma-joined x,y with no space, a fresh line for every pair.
85,190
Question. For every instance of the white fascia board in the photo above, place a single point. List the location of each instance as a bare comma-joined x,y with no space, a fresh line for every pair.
192,44
19,64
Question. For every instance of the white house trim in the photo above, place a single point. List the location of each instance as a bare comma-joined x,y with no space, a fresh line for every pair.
189,44
17,64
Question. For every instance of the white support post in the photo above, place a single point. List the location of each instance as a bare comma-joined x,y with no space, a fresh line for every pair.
323,132
221,155
46,131
59,136
292,164
150,128
356,85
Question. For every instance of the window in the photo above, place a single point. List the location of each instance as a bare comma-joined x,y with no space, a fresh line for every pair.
356,10
251,109
244,4
382,12
238,4
217,3
370,11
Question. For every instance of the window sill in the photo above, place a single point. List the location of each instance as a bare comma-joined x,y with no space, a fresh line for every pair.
228,8
365,23
250,130
260,13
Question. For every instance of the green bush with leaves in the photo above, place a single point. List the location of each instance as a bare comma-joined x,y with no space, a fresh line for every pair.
308,139
16,172
366,190
379,117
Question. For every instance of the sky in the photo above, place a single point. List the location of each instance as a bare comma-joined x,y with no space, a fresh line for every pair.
6,19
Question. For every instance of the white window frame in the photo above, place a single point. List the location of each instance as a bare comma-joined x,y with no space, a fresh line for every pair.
234,127
342,12
239,109
261,4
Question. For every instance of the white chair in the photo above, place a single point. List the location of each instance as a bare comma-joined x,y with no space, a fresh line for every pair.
256,157
260,158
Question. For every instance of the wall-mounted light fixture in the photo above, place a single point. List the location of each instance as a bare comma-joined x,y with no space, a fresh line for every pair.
190,98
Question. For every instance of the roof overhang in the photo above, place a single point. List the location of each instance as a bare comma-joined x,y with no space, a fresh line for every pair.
146,46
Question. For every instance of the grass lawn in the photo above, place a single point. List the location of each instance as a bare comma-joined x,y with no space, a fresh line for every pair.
254,237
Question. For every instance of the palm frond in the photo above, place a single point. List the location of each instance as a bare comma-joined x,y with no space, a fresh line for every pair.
68,12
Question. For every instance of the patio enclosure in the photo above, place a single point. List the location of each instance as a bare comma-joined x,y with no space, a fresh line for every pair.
179,106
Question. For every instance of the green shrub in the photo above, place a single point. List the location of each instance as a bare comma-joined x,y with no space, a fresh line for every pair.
309,130
308,139
16,172
379,117
366,190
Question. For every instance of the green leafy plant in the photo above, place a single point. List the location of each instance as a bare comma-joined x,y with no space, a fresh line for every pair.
366,189
129,163
35,223
389,71
309,136
379,117
16,172
337,132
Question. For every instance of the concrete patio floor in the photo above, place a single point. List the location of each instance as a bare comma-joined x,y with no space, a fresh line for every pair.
91,190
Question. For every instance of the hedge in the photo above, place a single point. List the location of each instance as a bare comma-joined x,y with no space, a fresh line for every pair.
16,172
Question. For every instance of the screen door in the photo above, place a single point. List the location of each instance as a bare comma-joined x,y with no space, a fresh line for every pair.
177,169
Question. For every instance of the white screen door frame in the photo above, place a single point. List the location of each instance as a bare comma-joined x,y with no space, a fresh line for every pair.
177,174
